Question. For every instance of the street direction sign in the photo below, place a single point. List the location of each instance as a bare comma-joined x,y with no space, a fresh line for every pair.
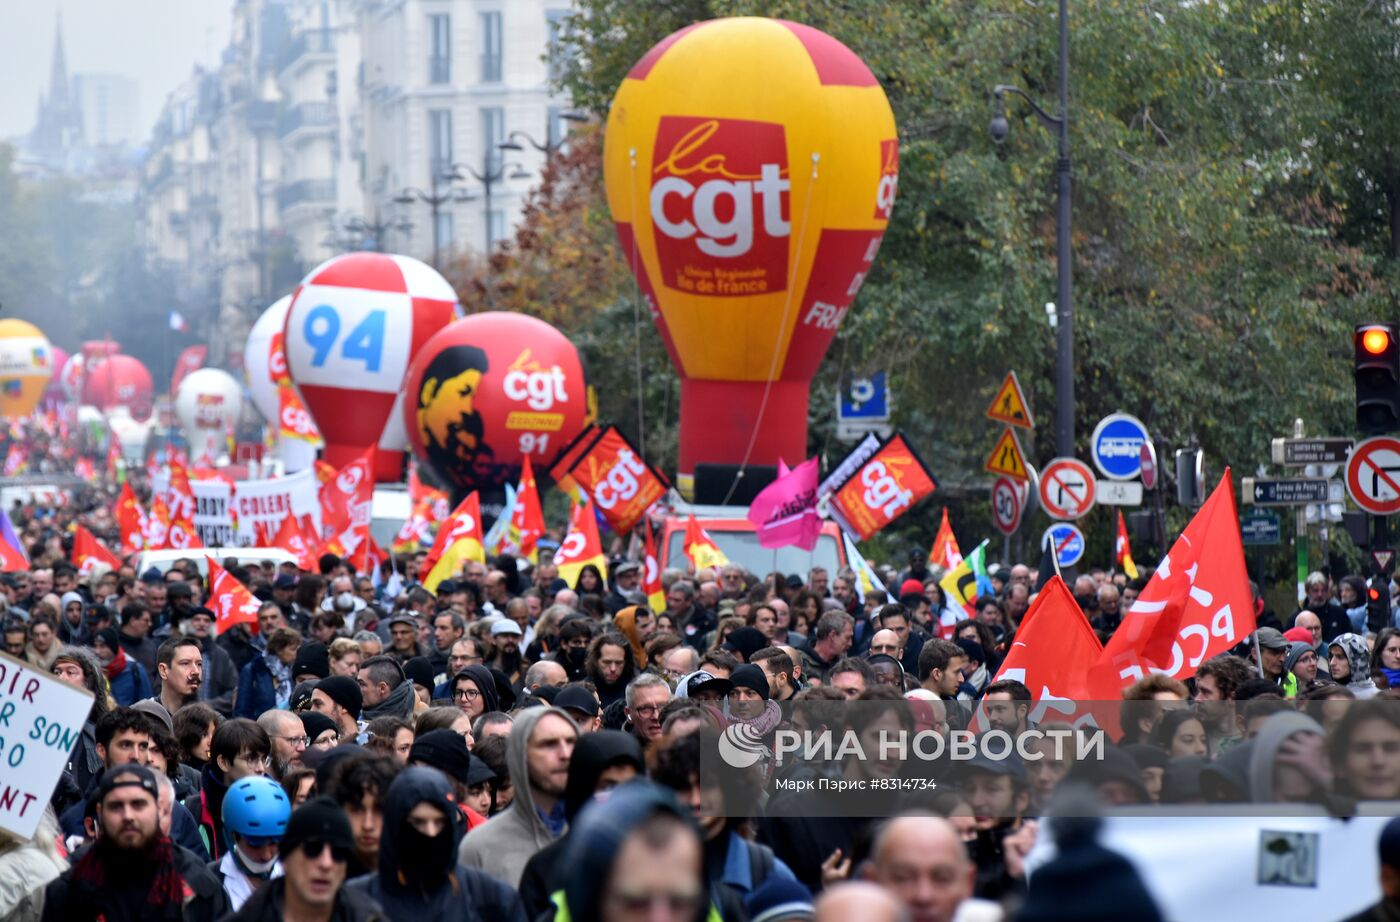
1068,542
1298,452
1147,459
1116,446
1009,405
1067,488
1006,457
1118,493
1373,475
1297,492
1007,507
1259,528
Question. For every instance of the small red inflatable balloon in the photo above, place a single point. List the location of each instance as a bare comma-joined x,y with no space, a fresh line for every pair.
120,381
490,390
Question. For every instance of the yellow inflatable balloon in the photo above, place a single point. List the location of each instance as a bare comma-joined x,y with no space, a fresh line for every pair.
26,364
751,167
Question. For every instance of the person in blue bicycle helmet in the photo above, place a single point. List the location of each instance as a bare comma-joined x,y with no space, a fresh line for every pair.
255,814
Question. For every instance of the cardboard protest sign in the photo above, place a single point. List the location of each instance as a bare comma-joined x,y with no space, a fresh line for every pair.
41,718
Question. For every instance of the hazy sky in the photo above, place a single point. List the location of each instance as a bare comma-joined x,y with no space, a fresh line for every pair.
154,42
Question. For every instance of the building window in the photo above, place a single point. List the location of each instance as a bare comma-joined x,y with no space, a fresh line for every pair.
491,47
495,228
493,132
440,48
555,20
440,141
444,234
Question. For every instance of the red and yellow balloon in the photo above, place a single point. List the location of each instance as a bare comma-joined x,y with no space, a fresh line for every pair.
751,167
26,365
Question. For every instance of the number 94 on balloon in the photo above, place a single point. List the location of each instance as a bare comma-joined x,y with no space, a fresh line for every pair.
352,343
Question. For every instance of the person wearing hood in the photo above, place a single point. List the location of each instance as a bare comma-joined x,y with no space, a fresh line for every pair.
1289,762
127,678
474,691
446,750
72,626
637,624
315,854
384,689
418,876
602,761
1349,662
78,667
629,852
540,747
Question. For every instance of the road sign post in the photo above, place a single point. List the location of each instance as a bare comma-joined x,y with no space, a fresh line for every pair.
1067,541
1296,492
1299,452
1116,446
1067,488
1373,476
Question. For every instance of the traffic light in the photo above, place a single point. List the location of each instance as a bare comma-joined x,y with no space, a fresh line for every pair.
1377,371
1378,603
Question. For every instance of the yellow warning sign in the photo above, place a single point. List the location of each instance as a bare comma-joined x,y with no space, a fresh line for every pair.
1006,457
1009,405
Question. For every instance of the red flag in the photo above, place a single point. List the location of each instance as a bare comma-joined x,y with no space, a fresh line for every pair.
346,498
191,359
619,482
291,538
945,552
527,521
701,548
129,520
157,527
230,599
1196,605
1123,551
1054,646
89,554
182,536
651,574
179,497
85,469
459,539
581,546
368,555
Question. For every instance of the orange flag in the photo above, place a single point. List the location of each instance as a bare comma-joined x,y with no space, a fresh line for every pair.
130,520
581,545
182,536
230,599
89,553
945,552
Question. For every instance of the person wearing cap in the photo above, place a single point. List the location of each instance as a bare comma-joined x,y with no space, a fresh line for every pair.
1084,881
601,762
403,638
1273,649
420,674
626,588
312,663
418,876
339,698
998,790
749,702
538,753
314,853
506,637
578,701
133,871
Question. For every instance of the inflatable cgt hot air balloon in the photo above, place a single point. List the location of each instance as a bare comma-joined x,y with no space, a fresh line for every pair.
751,167
490,390
263,340
119,381
354,325
207,405
26,365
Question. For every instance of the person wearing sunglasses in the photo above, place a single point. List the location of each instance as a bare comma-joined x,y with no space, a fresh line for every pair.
419,878
315,855
256,810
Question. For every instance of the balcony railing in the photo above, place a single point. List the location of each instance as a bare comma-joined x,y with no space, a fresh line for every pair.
306,115
305,190
314,42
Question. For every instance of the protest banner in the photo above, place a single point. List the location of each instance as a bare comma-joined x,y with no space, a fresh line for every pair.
621,484
882,489
41,718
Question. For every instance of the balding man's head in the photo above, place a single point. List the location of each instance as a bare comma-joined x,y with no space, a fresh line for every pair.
858,902
921,860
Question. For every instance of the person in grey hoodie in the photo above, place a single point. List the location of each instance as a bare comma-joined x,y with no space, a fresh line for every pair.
538,754
1349,663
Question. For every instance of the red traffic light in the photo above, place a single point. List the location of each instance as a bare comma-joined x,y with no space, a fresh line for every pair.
1375,340
1375,594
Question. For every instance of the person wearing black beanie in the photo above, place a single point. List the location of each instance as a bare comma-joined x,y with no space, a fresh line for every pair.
315,852
745,642
128,679
316,724
445,750
420,672
1086,882
339,698
313,662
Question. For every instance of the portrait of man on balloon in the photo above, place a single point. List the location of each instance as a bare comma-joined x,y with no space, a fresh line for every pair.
448,421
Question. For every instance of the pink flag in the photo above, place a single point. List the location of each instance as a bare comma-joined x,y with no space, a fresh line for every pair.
785,511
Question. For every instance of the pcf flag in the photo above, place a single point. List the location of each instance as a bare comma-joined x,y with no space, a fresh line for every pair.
230,599
1197,604
785,511
581,546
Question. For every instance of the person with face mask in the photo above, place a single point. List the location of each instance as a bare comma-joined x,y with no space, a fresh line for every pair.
256,811
418,873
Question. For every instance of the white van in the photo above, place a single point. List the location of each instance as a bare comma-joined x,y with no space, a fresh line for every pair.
247,556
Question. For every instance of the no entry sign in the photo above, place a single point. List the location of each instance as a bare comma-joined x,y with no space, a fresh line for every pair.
1373,475
1067,488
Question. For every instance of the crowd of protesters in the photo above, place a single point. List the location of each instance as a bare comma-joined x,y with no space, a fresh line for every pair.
512,747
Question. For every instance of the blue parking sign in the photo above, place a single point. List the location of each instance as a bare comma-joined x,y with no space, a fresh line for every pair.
1116,446
866,399
1068,542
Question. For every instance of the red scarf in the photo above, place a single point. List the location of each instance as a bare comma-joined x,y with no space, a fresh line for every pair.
167,886
115,667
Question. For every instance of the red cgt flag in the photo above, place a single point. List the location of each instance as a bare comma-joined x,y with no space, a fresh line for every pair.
230,599
130,520
291,538
1196,605
346,497
89,554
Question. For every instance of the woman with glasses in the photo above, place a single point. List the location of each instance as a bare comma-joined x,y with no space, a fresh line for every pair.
320,730
474,691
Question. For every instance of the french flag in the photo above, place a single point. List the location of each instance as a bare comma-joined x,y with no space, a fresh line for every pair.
178,323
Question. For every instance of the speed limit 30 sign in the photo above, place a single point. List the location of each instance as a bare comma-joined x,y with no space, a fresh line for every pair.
1006,505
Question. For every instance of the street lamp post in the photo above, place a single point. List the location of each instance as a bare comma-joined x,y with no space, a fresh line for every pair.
488,178
373,230
550,147
434,200
1064,327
